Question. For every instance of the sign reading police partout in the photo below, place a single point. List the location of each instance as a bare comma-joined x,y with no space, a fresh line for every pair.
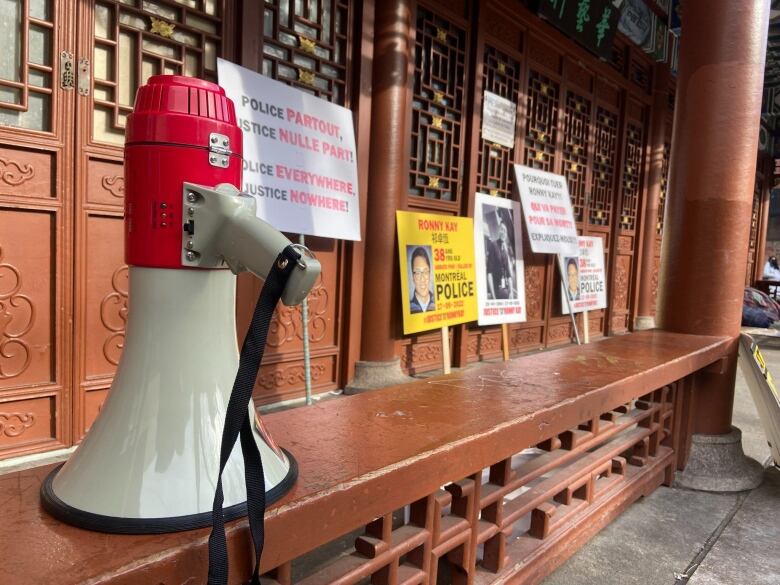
438,283
299,155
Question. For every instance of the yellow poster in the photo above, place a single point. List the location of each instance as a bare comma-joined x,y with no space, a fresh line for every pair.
438,282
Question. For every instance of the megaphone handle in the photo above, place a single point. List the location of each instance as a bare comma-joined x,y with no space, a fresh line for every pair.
237,422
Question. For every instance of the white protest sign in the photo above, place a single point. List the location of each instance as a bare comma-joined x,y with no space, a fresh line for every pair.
299,155
585,280
549,217
498,249
498,119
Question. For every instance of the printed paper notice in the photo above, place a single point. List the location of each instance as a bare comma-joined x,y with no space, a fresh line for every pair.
498,120
549,217
299,155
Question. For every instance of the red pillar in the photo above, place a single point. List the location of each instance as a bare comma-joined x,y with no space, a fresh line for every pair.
387,183
646,308
712,170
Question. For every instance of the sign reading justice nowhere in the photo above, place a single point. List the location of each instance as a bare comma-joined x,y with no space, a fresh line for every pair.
299,155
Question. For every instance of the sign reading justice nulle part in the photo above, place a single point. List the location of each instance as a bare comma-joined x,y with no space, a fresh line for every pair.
549,217
299,155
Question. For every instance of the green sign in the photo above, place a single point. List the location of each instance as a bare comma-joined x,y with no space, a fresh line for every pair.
592,23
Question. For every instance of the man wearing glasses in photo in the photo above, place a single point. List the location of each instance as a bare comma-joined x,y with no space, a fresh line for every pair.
422,298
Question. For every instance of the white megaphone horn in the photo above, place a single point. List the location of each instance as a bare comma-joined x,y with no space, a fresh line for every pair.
150,461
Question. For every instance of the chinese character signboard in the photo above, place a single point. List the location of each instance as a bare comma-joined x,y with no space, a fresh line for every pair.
498,245
299,155
436,254
592,23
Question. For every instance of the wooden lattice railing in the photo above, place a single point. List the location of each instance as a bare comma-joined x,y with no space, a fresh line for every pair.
499,521
490,475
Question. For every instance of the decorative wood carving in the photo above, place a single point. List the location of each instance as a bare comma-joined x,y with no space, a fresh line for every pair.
422,354
289,376
525,336
14,174
654,283
14,424
115,185
620,295
287,322
559,332
534,291
113,315
17,316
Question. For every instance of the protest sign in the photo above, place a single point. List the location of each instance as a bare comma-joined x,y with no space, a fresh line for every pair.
547,209
436,255
585,280
500,272
498,120
299,155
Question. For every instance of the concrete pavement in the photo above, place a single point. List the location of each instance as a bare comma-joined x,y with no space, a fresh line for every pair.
678,537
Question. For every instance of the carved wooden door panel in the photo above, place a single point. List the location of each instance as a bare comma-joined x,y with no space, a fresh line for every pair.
307,45
125,42
503,73
437,117
627,221
35,198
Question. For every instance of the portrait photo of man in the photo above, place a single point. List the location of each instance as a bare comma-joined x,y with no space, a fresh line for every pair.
572,277
421,299
500,259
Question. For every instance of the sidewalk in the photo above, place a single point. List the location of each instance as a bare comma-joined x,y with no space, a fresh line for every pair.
677,536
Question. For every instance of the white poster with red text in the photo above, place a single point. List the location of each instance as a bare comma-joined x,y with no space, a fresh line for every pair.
549,218
299,155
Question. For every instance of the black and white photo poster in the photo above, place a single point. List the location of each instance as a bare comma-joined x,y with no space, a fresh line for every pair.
498,248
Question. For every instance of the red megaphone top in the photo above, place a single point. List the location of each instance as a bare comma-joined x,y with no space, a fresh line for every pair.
181,130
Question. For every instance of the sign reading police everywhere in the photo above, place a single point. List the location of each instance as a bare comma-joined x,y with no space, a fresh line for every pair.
584,279
438,285
299,155
549,217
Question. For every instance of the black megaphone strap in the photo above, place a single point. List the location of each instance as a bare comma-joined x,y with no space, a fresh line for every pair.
237,422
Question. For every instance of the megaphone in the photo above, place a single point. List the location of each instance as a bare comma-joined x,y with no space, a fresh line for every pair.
150,461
